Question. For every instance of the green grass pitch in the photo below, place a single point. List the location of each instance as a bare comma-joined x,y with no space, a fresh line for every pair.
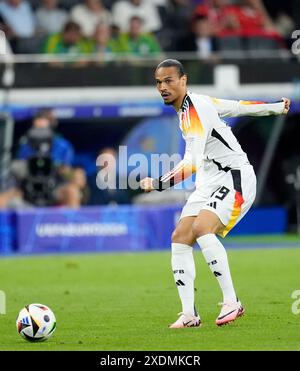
125,301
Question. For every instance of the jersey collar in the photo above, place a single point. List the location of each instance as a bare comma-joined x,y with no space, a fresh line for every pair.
184,99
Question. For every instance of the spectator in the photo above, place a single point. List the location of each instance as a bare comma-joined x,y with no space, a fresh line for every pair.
114,31
68,195
124,10
240,27
285,25
19,18
89,14
221,16
104,45
50,19
246,19
19,25
253,18
7,55
78,179
136,42
201,38
106,189
257,26
69,41
179,15
75,192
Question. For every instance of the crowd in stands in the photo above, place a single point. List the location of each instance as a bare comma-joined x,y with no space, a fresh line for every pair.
143,27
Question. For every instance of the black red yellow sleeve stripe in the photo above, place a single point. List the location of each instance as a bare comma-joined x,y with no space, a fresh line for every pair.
180,172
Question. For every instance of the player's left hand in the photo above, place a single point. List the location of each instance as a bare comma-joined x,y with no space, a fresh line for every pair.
287,103
147,184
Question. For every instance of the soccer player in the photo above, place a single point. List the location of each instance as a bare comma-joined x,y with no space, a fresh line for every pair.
225,186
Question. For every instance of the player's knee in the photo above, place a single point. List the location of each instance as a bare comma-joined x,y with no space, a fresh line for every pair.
200,228
178,236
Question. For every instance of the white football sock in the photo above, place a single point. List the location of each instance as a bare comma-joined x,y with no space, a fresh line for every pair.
216,257
183,267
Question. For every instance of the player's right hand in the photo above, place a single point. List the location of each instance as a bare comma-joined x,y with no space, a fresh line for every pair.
147,184
287,103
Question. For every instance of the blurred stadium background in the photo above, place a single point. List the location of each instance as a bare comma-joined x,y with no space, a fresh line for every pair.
77,80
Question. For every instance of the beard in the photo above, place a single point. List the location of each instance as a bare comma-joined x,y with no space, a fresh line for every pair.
170,103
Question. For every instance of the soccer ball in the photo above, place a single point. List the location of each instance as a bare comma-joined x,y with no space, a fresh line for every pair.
36,322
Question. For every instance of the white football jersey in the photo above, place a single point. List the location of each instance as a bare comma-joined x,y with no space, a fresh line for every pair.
211,146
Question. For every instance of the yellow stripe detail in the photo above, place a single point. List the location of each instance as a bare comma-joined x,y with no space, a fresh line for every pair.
215,100
191,123
236,212
247,102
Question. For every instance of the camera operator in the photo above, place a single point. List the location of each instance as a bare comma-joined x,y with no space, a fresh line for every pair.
48,158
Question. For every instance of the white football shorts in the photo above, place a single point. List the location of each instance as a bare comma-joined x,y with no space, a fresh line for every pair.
227,194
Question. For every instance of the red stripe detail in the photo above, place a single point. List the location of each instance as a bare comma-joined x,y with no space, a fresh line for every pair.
238,199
